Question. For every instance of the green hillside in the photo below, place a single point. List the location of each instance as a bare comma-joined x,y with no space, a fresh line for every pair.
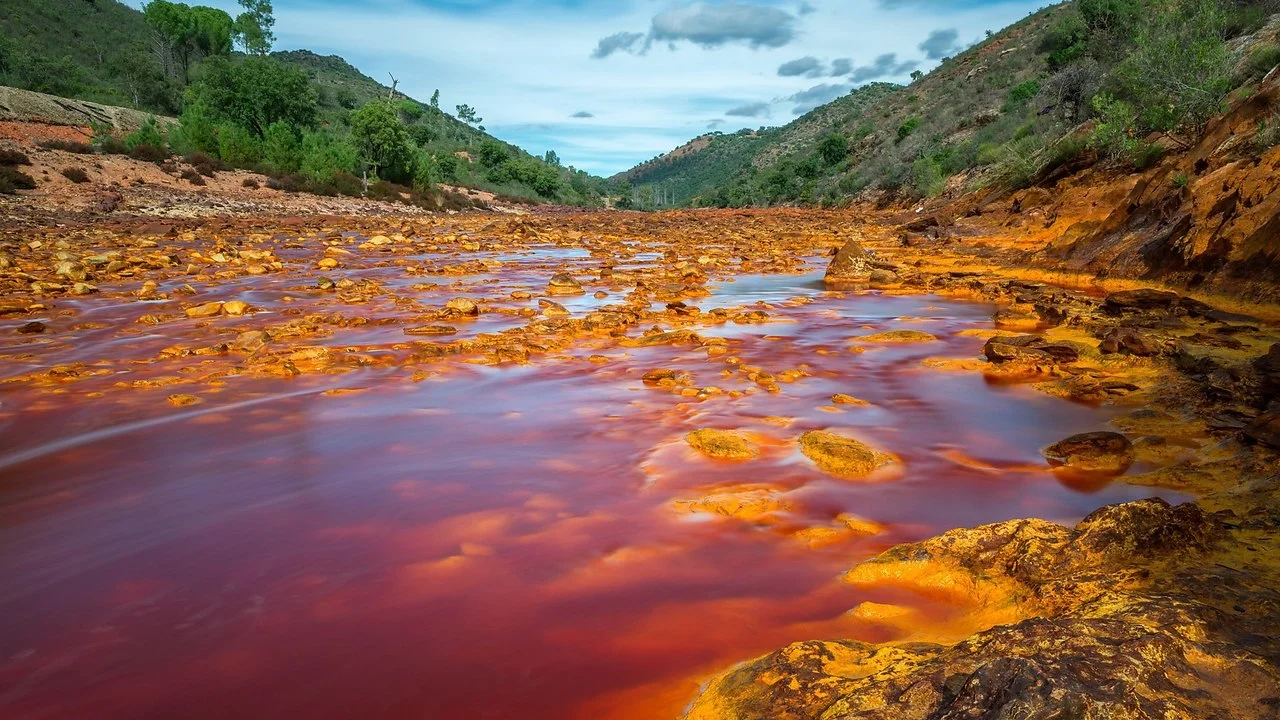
1116,81
105,51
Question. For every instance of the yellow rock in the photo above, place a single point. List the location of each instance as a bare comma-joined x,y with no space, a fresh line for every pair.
899,336
235,307
208,309
842,399
722,444
841,456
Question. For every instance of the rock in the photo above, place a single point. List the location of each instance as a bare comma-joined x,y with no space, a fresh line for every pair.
235,307
564,284
462,306
675,337
250,340
1100,452
850,265
842,456
722,444
1268,369
431,330
327,263
1126,301
747,504
325,283
1129,342
659,375
32,328
183,400
842,399
551,308
1032,348
83,289
72,271
1265,429
206,310
884,278
898,336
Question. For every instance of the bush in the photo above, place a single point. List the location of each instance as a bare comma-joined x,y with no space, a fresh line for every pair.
197,131
1268,135
249,183
192,176
1020,94
10,158
1262,59
149,153
324,157
833,148
78,148
238,147
148,134
1066,41
75,175
927,178
908,127
12,180
287,183
282,148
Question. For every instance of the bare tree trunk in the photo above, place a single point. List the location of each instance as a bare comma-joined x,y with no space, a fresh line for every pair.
394,83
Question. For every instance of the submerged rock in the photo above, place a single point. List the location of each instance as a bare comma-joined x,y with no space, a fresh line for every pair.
842,456
899,336
722,444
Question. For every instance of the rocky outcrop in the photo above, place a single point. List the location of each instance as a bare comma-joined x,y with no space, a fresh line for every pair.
1102,634
26,106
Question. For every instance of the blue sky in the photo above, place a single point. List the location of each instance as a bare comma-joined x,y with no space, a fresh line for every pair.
611,83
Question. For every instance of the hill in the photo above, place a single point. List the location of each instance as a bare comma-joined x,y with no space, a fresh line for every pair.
1004,112
106,52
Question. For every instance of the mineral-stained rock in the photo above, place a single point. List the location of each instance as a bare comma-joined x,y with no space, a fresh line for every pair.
431,330
850,265
564,284
1091,631
462,306
722,444
899,336
1102,452
842,456
1129,342
1124,301
205,310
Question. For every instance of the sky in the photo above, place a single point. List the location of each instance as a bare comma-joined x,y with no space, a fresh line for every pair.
608,84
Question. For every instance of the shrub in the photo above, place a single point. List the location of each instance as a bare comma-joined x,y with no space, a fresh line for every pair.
78,148
1262,59
75,175
287,183
1114,135
833,148
1065,41
12,180
237,146
1020,94
10,158
249,183
325,156
197,131
282,148
1268,134
908,127
192,176
148,134
1180,180
927,178
149,153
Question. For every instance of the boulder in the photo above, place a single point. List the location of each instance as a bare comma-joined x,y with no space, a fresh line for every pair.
842,456
851,264
1100,452
722,444
1126,301
564,284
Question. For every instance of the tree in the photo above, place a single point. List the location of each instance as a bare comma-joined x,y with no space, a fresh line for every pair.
467,114
187,33
381,139
253,27
257,92
136,69
551,158
833,148
916,75
493,153
435,99
282,147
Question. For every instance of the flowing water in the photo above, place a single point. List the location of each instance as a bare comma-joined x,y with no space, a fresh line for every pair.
488,542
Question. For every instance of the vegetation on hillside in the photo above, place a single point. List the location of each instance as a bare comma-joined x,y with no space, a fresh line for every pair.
313,123
1116,81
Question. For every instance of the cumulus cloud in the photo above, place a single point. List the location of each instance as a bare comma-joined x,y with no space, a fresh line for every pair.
808,66
618,42
715,25
582,114
755,109
841,66
940,43
820,94
885,66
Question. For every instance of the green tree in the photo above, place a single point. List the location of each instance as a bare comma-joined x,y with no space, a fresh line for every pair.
551,158
139,75
324,156
239,146
493,153
190,33
435,99
833,148
197,131
282,147
381,139
148,134
253,27
256,92
467,114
